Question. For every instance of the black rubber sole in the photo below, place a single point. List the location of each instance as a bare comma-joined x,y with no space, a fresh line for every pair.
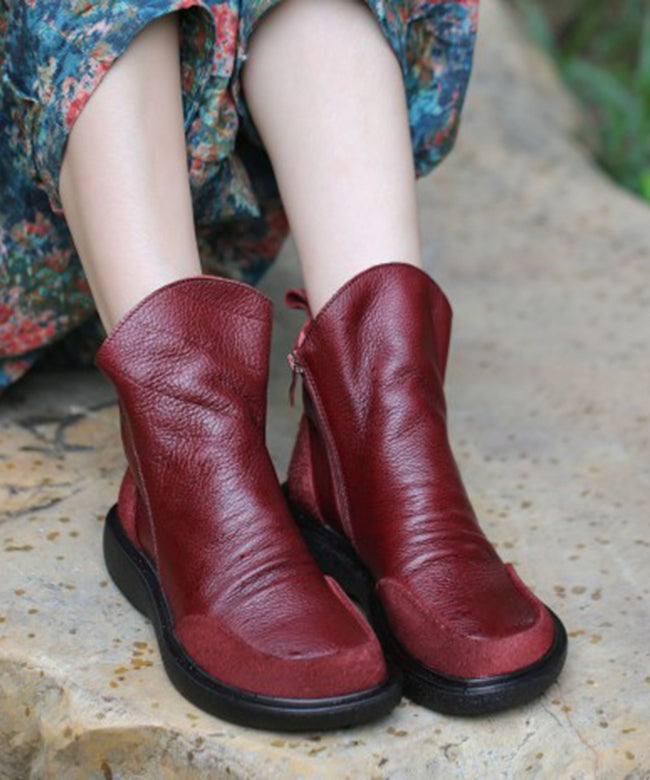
136,579
435,690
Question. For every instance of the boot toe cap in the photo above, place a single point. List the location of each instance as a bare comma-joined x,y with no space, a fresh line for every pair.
280,668
450,647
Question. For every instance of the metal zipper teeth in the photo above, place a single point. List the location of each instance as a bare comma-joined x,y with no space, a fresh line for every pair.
296,369
339,486
294,363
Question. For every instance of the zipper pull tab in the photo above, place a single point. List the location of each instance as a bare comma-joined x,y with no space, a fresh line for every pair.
296,298
296,369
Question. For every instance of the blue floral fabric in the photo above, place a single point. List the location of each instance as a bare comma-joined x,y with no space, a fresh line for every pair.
53,55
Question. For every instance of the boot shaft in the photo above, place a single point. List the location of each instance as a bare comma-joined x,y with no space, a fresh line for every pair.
190,365
192,338
374,361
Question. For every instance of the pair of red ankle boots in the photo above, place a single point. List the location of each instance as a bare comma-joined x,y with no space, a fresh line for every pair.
245,581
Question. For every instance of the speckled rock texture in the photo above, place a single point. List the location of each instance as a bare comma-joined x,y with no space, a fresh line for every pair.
547,265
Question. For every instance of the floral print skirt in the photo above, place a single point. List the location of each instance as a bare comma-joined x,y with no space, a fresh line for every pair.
53,56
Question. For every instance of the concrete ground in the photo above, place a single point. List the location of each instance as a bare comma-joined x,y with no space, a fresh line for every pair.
547,266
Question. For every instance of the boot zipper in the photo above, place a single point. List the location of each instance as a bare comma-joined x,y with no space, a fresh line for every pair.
296,369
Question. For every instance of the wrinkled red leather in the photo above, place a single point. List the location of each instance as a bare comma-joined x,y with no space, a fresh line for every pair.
201,499
374,362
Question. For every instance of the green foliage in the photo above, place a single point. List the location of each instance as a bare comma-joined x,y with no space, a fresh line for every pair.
603,51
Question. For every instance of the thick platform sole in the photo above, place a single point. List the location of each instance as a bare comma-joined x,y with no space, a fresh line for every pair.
137,580
435,690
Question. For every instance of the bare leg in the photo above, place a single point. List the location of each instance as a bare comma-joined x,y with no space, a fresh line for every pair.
124,183
326,93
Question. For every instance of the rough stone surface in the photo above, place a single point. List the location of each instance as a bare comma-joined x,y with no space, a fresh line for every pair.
546,264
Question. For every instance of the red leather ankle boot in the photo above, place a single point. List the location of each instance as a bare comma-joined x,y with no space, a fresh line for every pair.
201,539
377,493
